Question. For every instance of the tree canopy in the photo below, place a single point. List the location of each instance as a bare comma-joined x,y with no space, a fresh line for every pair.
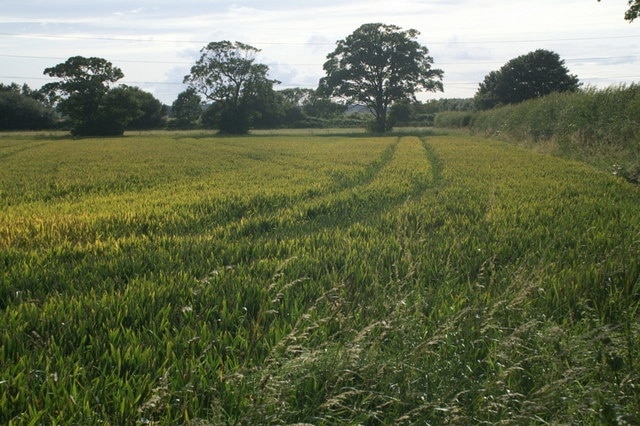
634,10
377,65
22,109
186,109
533,75
228,75
83,95
151,110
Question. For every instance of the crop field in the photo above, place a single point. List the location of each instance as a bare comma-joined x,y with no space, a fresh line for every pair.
185,278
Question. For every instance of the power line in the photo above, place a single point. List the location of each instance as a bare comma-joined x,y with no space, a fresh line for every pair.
148,40
135,61
601,58
450,42
58,58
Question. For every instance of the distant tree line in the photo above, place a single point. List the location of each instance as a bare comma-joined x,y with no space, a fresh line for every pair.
290,108
378,68
22,108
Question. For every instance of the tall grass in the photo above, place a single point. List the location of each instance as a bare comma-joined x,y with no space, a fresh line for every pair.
600,126
453,119
314,279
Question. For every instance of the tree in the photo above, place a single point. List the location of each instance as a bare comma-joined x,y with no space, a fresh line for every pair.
81,95
489,91
533,75
634,10
318,105
227,75
22,109
151,109
186,109
265,108
308,105
377,65
118,108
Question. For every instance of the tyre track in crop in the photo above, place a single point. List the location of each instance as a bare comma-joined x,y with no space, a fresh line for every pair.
315,209
370,172
406,168
410,169
359,197
436,162
238,216
5,153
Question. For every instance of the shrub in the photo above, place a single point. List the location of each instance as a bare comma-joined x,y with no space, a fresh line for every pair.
455,119
20,112
586,119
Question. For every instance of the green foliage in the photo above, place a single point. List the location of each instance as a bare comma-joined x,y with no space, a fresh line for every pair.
449,104
421,114
265,110
84,96
175,278
152,111
118,108
529,76
83,82
634,10
453,119
306,108
22,112
407,114
186,110
227,75
378,65
600,126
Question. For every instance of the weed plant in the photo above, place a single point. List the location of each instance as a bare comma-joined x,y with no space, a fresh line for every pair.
280,279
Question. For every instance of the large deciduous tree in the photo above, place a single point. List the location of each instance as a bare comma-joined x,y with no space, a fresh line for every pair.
533,75
82,94
378,65
228,75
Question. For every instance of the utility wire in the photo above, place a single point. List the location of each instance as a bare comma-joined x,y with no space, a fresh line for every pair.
601,58
154,40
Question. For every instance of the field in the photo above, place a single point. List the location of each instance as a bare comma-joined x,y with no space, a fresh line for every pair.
185,278
597,126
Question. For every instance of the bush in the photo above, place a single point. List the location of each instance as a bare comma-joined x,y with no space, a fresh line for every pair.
586,119
455,119
20,112
601,127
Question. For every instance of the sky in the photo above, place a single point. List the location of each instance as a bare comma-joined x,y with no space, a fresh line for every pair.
155,43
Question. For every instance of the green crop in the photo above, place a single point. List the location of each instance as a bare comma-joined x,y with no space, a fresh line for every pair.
596,126
328,279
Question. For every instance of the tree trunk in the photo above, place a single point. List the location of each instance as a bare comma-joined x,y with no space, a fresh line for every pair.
381,122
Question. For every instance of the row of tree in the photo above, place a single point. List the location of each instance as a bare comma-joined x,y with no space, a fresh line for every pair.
109,111
378,66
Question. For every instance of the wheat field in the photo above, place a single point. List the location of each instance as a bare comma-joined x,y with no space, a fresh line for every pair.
297,278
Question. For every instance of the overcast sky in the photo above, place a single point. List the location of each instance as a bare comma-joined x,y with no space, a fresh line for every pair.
156,42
